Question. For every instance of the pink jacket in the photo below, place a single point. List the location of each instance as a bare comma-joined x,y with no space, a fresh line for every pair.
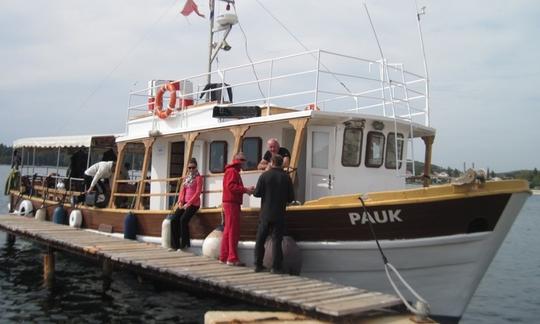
191,196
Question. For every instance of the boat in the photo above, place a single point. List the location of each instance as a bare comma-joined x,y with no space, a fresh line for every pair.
352,125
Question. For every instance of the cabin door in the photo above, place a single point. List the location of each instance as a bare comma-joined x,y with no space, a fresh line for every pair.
320,161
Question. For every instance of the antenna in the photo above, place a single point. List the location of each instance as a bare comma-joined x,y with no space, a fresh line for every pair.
420,13
374,32
384,70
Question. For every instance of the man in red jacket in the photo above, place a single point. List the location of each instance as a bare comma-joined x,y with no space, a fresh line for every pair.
233,190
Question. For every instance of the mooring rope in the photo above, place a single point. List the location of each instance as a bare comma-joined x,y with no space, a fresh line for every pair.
421,309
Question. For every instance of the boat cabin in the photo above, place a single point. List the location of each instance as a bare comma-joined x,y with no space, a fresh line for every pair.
346,139
54,166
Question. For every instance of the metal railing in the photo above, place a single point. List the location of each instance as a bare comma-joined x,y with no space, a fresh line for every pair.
317,79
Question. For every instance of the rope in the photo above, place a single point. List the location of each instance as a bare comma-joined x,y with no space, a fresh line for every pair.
246,50
125,56
422,309
303,46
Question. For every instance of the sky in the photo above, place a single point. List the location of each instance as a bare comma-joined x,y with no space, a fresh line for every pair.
67,65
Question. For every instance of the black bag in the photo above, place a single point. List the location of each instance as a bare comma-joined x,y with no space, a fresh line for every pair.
90,199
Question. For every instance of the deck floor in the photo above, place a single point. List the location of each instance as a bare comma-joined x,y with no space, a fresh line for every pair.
293,293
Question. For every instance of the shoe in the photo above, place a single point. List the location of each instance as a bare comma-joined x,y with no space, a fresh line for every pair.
260,269
222,262
236,263
277,271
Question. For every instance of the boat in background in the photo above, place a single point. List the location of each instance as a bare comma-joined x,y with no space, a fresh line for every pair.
351,124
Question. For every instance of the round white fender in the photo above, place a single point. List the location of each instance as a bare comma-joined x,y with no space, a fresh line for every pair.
75,218
212,244
41,214
25,208
166,233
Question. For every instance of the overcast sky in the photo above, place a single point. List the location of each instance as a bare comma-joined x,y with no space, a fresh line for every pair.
67,65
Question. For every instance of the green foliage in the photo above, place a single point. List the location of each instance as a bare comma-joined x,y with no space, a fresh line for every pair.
530,175
5,154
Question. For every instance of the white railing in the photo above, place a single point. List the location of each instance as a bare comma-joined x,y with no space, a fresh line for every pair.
326,80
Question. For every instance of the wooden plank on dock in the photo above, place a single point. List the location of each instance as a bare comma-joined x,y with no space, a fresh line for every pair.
358,304
298,293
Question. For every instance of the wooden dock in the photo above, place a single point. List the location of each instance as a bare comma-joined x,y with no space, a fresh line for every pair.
293,293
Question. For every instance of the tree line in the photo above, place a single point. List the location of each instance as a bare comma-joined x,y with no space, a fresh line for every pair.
533,176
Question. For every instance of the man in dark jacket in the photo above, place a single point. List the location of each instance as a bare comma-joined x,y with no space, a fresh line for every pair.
276,190
233,190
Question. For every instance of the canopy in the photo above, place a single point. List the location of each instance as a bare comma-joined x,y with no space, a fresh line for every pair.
60,141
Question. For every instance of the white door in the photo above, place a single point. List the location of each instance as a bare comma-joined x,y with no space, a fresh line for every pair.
320,161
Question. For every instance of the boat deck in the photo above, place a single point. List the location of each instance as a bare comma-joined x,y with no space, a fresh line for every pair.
309,296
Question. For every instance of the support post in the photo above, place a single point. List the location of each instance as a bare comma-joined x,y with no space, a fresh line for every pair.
238,133
48,267
146,162
300,126
107,268
10,239
119,164
189,139
428,140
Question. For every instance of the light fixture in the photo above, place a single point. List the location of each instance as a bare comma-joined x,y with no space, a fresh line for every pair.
225,46
378,125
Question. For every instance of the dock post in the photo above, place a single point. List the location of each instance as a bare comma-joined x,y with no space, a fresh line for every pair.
48,267
107,268
10,239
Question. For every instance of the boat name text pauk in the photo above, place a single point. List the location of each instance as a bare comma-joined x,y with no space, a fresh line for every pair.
383,217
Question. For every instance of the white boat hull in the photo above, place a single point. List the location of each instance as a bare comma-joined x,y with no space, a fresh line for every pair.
445,270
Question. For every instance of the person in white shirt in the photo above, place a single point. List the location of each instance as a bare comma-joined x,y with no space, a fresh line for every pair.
96,172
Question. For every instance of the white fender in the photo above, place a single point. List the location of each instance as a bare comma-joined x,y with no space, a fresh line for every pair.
212,244
166,233
75,218
25,208
41,214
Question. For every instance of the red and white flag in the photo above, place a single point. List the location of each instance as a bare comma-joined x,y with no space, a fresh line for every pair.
190,7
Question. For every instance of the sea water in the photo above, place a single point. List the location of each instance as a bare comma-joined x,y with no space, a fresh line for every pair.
509,291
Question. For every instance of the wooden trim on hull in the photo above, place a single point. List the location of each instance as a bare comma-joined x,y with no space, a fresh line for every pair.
397,221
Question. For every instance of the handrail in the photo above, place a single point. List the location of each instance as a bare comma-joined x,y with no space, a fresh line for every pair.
359,77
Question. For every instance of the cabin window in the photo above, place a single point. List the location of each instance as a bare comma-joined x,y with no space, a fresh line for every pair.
352,147
218,156
251,146
320,146
390,161
374,149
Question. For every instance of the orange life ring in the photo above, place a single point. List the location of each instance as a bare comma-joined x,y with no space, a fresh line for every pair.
158,108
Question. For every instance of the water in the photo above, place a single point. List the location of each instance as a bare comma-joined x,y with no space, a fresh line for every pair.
77,295
508,292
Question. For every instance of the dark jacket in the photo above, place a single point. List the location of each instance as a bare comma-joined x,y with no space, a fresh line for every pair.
233,188
276,190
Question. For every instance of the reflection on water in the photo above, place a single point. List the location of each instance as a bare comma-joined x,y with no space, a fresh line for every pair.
77,295
508,292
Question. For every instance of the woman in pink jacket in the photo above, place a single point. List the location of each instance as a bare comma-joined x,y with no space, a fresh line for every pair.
189,201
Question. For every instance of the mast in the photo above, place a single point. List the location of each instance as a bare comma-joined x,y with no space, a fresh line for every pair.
224,23
211,42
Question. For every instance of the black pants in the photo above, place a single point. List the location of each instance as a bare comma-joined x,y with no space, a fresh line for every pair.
277,228
180,227
99,185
